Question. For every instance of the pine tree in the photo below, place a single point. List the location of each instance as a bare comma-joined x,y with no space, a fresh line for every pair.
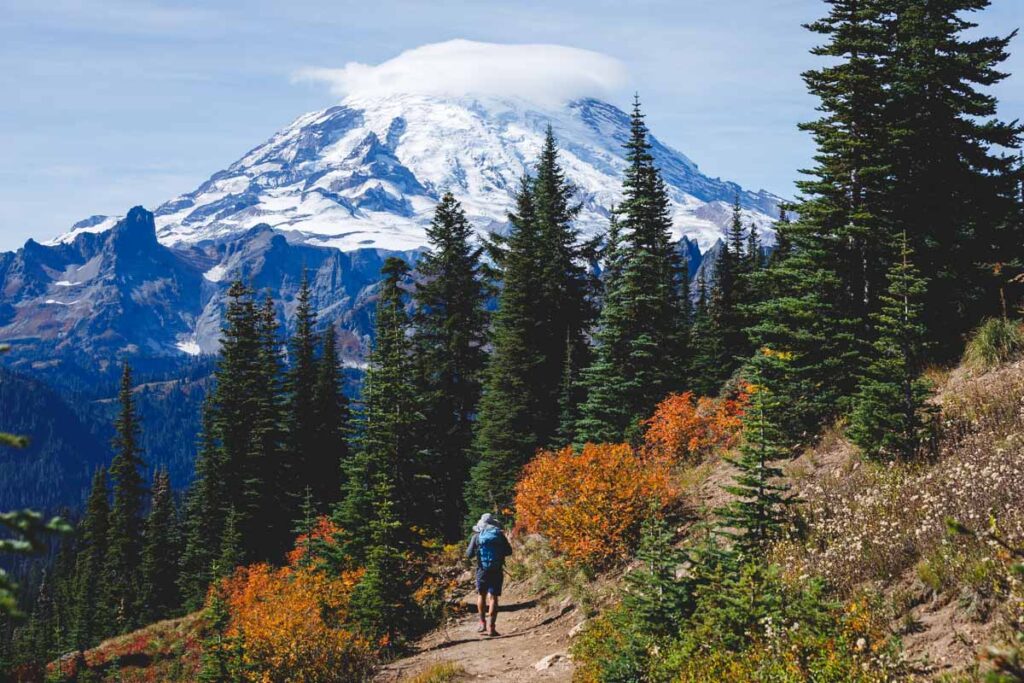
265,511
951,186
382,604
655,597
708,355
602,415
755,518
159,591
203,519
449,337
330,426
563,308
300,383
91,618
891,403
126,517
386,448
506,431
222,660
642,320
231,553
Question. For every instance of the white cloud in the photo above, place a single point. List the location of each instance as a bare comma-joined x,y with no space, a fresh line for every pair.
545,74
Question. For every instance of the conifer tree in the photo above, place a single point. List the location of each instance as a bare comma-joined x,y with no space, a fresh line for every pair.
331,425
382,605
563,308
449,337
506,434
300,385
707,348
655,597
266,510
890,405
204,518
951,187
91,617
124,552
642,315
159,591
386,449
231,553
602,416
754,517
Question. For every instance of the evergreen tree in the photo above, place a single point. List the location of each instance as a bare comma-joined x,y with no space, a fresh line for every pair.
159,591
563,308
708,355
266,510
126,517
91,618
951,186
643,320
602,416
889,408
231,553
450,333
330,426
382,604
655,597
385,448
754,517
506,432
300,384
204,518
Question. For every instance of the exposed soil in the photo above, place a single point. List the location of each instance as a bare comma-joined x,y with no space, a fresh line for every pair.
531,628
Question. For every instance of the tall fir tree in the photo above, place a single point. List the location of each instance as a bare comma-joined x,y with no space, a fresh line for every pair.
300,384
952,187
888,417
124,553
387,458
203,521
643,320
450,327
708,354
602,414
754,517
159,596
330,426
564,308
91,617
506,434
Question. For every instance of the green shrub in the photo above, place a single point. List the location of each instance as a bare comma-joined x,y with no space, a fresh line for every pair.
996,341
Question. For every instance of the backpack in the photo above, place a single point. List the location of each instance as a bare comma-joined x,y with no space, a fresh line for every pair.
490,547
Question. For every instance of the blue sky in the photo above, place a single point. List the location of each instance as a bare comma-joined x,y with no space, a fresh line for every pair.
111,103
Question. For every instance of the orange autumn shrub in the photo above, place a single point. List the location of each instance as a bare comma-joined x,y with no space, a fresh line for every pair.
685,428
292,622
589,505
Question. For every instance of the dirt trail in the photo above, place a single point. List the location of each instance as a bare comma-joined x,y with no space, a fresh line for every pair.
531,629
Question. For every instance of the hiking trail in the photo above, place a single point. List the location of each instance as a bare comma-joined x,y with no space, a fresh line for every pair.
533,645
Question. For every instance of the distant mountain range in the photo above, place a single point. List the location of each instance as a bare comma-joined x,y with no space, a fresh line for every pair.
334,193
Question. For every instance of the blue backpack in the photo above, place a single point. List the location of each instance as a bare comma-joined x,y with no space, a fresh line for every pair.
490,551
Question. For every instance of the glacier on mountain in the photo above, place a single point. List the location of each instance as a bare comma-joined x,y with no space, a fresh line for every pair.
367,173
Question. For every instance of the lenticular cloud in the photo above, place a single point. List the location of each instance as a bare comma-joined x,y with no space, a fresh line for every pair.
546,74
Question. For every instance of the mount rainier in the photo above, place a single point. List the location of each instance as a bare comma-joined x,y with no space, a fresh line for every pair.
334,192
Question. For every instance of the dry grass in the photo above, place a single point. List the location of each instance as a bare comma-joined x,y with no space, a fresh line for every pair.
441,672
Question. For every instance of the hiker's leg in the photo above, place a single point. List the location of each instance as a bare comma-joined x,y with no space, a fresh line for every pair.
481,605
494,609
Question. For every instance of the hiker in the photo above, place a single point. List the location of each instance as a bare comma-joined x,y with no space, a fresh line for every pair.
490,548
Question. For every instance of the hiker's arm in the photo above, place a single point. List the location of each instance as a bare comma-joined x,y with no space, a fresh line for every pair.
508,546
471,548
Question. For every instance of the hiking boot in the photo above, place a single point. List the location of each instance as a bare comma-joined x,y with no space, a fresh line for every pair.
483,627
493,633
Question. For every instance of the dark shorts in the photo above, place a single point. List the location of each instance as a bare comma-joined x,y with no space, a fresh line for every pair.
489,580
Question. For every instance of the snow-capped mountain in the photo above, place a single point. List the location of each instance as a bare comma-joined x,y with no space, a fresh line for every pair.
334,193
367,173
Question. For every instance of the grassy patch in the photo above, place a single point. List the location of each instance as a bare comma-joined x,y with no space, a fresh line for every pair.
996,341
441,672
